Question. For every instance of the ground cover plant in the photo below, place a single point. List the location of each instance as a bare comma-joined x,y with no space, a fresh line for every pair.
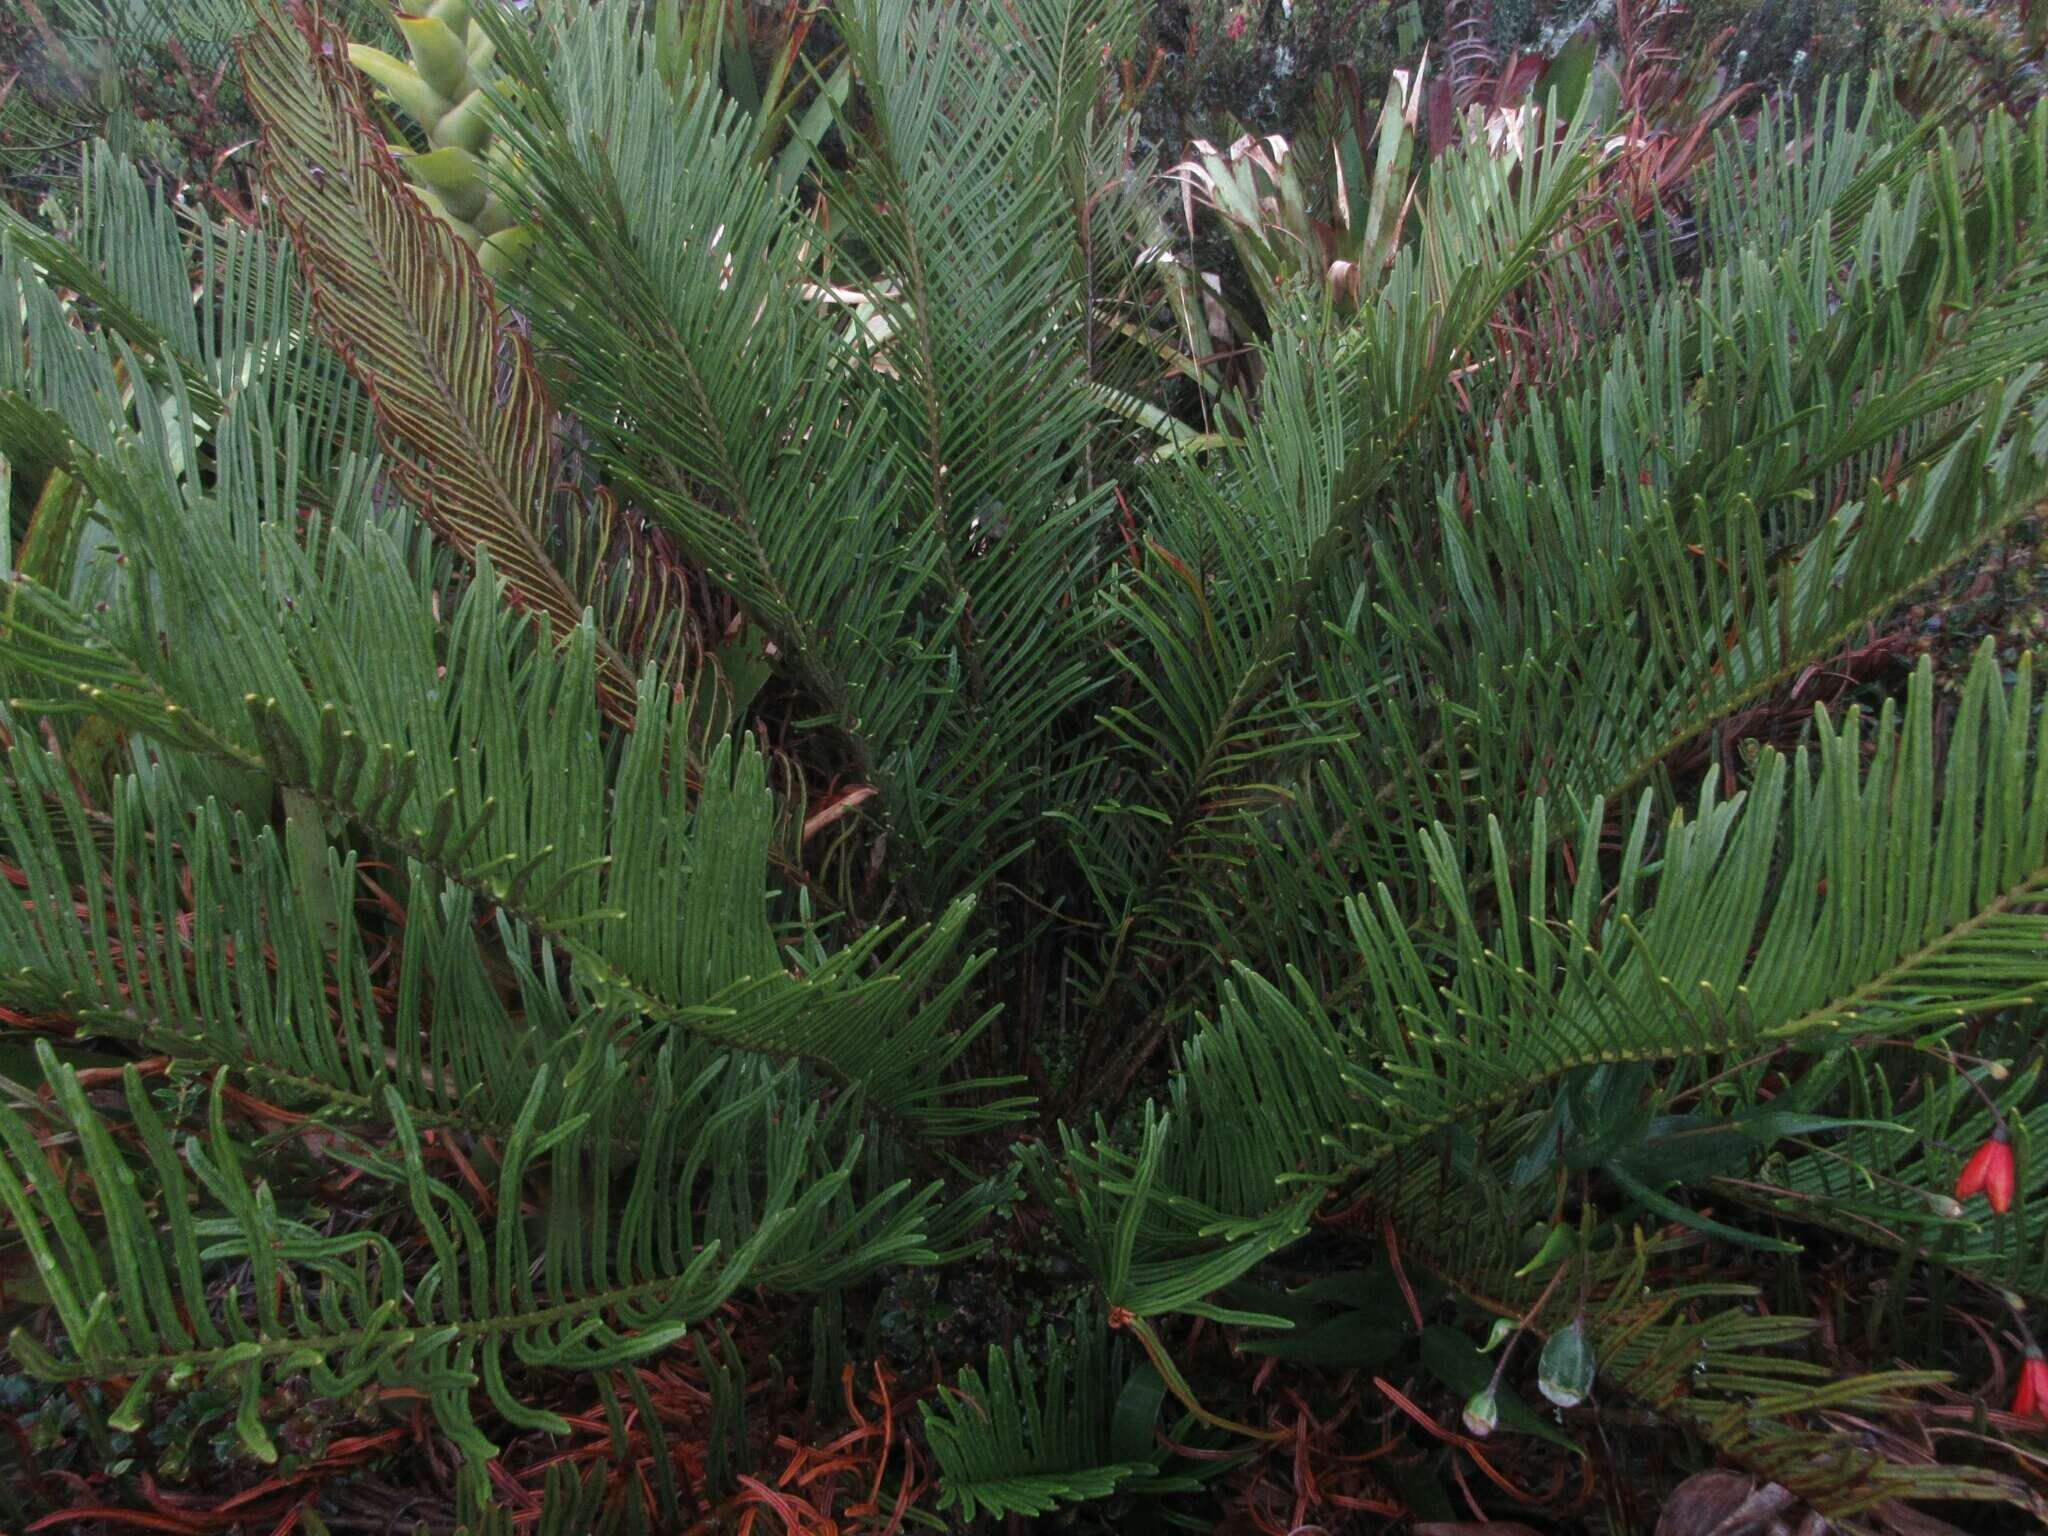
753,782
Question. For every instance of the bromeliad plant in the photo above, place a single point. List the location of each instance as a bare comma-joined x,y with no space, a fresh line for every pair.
568,834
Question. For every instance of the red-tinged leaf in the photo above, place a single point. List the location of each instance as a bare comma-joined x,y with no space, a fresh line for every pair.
125,1519
462,415
836,808
356,1446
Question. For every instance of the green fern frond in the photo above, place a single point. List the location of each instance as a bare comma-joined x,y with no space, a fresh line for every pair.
1701,509
1227,1174
1767,918
1889,1188
1025,1439
326,673
880,465
1340,409
725,1191
463,417
189,932
136,264
1702,1356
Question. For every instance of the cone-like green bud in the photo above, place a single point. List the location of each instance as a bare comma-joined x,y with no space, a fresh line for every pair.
441,57
439,90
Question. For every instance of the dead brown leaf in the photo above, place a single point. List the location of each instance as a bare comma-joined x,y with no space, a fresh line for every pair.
1722,1503
1904,1520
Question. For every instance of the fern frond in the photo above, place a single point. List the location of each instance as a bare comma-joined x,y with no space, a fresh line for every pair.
1227,1174
1257,542
188,931
136,264
1024,1439
889,487
464,419
1708,511
1700,1355
1767,918
1888,1187
319,665
725,1191
1770,918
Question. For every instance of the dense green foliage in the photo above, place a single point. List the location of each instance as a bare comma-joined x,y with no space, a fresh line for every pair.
653,705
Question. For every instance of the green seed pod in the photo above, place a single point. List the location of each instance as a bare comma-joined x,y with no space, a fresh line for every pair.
1482,1413
1565,1372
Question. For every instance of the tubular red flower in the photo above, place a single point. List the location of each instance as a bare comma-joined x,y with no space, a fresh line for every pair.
2031,1400
1990,1172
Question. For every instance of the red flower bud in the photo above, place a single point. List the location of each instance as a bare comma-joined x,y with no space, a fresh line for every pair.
2031,1400
1990,1171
